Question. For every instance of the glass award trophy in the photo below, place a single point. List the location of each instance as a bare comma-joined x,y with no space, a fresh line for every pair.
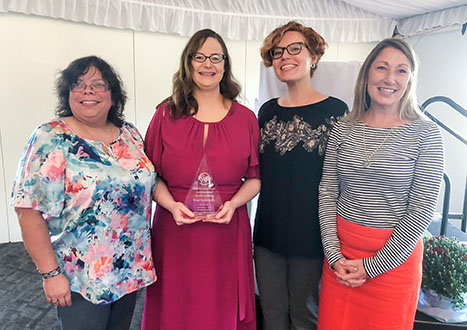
203,198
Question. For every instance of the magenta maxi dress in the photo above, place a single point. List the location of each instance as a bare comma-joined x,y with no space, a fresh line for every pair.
205,270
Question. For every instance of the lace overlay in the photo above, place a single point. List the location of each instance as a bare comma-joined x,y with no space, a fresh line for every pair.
288,134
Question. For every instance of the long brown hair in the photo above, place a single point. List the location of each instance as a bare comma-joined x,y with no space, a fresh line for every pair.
182,102
408,108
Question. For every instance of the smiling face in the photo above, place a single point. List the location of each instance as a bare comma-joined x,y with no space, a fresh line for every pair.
89,104
293,68
388,78
206,75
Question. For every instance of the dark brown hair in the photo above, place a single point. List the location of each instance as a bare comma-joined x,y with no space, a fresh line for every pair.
182,102
80,67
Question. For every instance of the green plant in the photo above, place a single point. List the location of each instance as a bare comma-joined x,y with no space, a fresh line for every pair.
445,268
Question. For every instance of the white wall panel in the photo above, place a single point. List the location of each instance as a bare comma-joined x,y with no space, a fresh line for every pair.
443,72
36,49
252,70
156,57
4,228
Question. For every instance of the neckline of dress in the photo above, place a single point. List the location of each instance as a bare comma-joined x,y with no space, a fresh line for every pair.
219,121
300,106
86,139
408,124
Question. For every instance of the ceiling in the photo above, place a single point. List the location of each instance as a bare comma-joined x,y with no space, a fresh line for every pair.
398,9
335,20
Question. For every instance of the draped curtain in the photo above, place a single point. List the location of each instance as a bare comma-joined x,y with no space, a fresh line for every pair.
336,20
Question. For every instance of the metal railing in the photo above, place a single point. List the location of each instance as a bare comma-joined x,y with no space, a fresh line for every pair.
447,182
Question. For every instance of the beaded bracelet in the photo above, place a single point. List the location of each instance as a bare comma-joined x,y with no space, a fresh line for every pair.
52,273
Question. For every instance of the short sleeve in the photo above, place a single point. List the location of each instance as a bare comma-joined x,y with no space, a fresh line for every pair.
40,178
134,132
253,161
153,139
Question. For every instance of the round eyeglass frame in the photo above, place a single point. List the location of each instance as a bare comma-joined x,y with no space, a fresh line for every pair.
205,57
287,48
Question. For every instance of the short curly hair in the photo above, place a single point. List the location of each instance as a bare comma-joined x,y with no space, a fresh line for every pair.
80,67
314,41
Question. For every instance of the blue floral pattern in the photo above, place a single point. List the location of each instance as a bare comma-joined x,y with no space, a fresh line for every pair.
97,207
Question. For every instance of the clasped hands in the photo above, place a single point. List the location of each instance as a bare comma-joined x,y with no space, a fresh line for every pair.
184,216
350,272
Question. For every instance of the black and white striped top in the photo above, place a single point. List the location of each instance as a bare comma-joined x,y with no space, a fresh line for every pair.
398,191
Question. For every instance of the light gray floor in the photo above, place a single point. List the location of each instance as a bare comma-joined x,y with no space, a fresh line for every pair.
22,302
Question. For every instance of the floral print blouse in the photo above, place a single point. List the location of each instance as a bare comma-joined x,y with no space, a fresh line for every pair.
97,207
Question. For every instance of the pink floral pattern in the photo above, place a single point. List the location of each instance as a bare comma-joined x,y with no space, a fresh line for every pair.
97,208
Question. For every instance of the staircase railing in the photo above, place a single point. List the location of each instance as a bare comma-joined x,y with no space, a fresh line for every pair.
447,182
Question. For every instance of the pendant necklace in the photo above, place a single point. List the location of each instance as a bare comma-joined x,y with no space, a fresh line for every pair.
106,148
367,161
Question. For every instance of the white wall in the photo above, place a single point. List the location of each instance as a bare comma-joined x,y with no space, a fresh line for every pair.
443,72
33,49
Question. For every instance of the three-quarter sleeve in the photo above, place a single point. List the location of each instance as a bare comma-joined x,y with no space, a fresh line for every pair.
423,196
253,161
153,146
40,179
328,195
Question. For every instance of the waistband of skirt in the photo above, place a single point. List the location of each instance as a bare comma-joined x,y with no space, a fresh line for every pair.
344,225
360,241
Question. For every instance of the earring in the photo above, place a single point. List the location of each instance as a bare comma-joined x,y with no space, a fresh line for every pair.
313,65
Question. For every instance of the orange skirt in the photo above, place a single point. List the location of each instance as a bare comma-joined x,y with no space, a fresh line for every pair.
388,301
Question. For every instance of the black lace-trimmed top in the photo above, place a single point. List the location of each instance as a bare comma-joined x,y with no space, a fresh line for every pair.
291,148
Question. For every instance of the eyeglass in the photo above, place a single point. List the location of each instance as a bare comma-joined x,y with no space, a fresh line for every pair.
97,86
214,58
293,49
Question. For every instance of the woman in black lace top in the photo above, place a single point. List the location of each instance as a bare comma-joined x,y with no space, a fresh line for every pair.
294,131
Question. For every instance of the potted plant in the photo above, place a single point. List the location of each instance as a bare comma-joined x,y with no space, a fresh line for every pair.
444,283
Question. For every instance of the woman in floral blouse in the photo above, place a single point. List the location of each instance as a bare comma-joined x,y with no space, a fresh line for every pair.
83,198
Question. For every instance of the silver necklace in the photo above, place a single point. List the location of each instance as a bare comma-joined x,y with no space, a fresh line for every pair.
367,162
106,148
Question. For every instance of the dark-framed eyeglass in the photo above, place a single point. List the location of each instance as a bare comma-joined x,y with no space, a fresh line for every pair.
97,86
214,58
293,49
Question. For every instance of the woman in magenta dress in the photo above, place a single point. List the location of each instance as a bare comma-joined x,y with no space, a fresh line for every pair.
204,264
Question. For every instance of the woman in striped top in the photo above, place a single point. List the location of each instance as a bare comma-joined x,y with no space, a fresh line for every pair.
381,178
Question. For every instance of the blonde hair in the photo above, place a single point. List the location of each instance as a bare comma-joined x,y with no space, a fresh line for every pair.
408,108
314,42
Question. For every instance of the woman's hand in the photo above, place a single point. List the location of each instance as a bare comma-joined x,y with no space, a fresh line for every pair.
340,270
350,272
249,188
57,290
36,239
224,215
182,214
